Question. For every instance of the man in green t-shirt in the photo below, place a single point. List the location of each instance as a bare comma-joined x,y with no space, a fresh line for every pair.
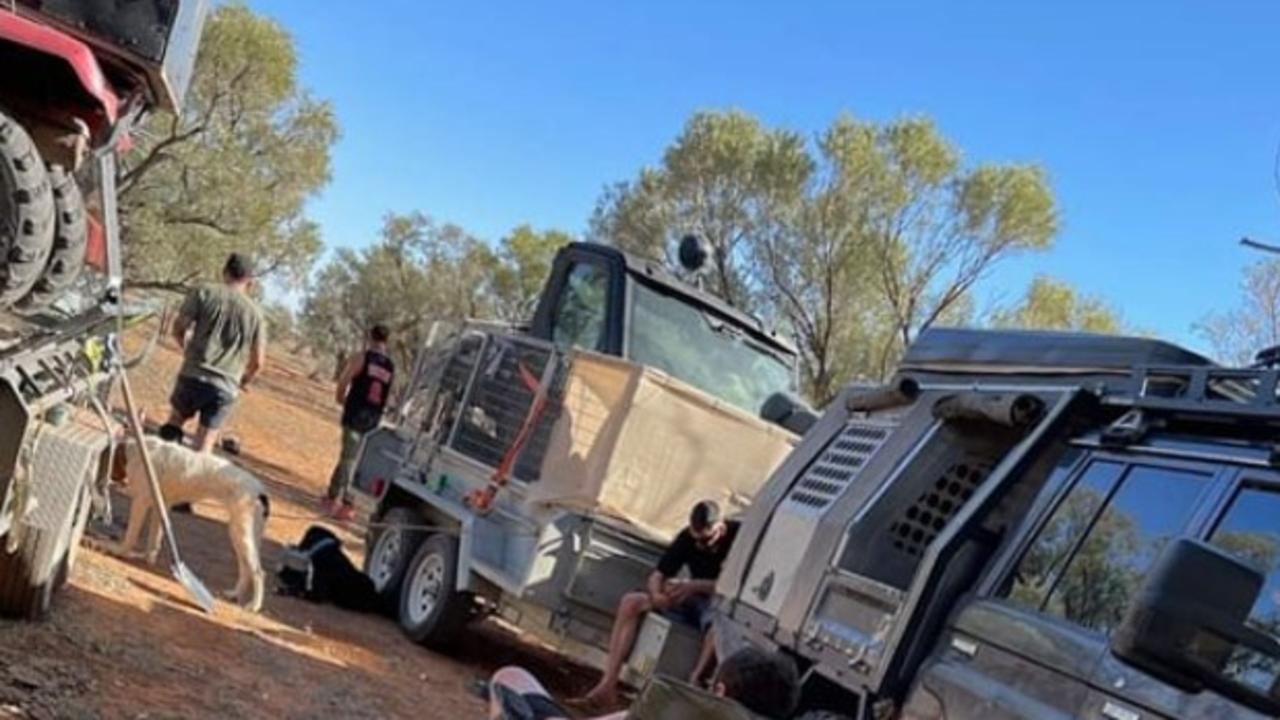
224,343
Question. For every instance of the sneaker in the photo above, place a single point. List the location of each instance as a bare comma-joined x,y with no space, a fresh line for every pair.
344,512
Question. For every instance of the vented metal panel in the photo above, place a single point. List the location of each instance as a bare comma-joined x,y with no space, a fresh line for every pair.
920,523
835,468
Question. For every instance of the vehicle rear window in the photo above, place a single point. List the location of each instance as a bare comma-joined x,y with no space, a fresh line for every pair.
1092,554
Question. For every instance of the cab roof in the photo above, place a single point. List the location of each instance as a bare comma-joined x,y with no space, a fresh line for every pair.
657,273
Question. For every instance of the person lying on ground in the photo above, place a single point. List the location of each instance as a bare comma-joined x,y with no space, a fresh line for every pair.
701,548
766,684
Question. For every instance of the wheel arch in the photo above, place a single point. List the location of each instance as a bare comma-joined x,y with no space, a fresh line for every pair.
72,82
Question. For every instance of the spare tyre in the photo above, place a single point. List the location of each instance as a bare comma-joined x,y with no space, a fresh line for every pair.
26,213
70,238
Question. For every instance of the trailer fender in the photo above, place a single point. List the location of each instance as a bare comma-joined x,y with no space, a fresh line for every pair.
48,40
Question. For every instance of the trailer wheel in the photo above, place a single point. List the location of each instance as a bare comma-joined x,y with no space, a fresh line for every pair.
391,546
26,213
431,611
66,259
26,588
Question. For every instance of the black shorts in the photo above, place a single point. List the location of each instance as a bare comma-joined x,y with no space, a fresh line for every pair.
192,396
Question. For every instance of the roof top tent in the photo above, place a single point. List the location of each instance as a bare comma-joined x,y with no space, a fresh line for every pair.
955,350
154,38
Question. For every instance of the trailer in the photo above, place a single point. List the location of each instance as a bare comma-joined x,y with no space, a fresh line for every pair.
537,473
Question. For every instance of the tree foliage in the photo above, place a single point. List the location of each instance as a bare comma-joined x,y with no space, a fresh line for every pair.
419,271
235,171
857,241
1051,304
1254,324
520,267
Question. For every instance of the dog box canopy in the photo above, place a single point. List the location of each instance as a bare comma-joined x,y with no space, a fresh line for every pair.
635,444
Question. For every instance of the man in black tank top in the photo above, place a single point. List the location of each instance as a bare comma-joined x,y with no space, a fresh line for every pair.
363,389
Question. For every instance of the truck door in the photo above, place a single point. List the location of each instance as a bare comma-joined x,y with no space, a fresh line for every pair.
1030,647
582,305
1248,526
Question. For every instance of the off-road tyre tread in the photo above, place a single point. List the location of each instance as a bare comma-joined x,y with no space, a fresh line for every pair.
70,241
26,234
21,597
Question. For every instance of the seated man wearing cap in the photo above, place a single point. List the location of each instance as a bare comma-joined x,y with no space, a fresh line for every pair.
224,343
700,548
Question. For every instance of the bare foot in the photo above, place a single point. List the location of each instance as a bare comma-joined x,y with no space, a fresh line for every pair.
600,696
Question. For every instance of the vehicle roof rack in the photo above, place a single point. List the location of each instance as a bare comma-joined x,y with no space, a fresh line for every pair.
1201,390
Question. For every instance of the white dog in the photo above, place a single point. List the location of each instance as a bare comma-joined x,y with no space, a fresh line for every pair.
187,476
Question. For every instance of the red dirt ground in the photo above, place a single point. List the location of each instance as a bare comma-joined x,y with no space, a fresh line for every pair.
124,642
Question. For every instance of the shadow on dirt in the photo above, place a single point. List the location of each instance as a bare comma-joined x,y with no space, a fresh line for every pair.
206,549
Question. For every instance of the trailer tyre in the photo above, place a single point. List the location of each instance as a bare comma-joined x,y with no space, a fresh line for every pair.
22,595
26,213
70,239
391,546
431,611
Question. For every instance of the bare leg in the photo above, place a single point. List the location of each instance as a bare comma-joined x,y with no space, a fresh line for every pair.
706,656
206,438
630,610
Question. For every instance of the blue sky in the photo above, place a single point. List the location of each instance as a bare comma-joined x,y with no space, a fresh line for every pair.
1158,123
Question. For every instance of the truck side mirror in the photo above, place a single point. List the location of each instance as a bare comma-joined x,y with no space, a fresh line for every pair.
789,412
1188,626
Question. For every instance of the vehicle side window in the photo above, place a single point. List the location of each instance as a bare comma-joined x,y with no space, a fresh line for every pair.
1092,554
581,312
1251,531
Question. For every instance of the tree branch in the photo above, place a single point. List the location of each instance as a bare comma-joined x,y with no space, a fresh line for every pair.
180,285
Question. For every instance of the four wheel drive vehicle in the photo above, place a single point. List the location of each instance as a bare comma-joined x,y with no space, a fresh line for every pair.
540,473
75,77
1027,525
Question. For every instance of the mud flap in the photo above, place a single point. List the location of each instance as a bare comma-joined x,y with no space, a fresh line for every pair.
64,460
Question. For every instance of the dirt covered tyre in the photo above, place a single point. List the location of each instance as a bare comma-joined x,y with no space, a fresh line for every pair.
431,611
70,239
27,586
391,545
26,213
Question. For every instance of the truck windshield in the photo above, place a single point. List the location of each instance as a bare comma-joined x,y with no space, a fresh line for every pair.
704,350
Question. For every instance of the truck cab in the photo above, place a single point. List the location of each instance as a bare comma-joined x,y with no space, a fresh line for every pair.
602,299
1026,525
